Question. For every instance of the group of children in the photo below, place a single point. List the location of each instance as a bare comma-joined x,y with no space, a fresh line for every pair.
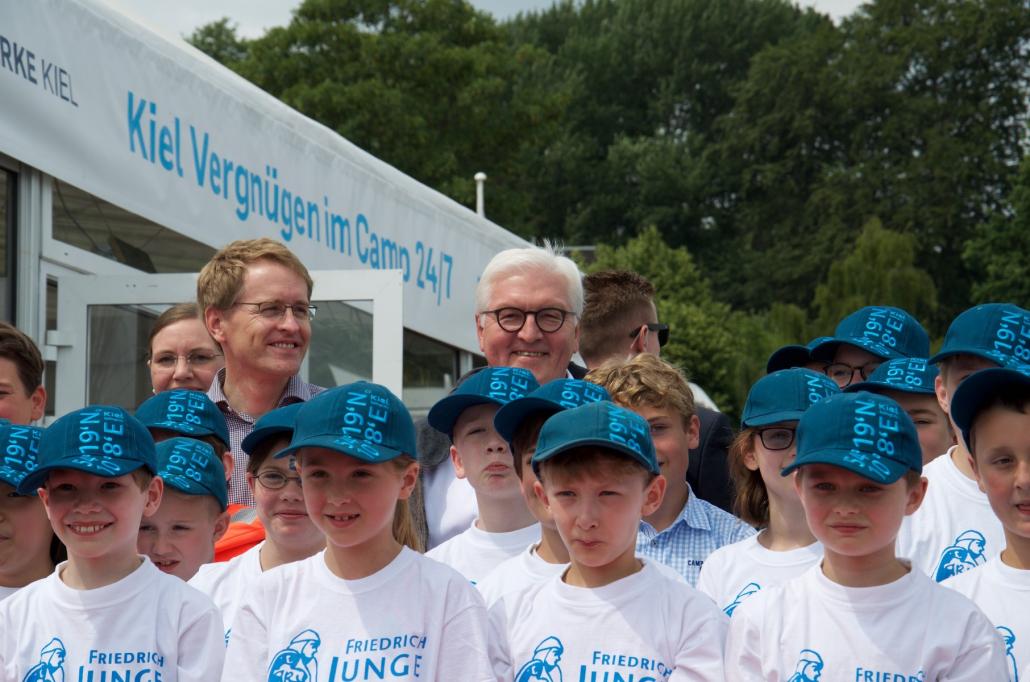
591,559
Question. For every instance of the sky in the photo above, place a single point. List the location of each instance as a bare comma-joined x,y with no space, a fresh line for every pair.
253,17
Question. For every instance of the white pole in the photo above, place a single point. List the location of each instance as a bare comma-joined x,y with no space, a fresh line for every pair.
480,179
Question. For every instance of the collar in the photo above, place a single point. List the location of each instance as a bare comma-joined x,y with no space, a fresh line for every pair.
296,390
692,516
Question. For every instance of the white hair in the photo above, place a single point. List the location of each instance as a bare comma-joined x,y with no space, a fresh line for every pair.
533,259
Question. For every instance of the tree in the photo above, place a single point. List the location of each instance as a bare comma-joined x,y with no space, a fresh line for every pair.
219,41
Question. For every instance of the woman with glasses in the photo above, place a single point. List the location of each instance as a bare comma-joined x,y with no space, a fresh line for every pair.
180,353
784,547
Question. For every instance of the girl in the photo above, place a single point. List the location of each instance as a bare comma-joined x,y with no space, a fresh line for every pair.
28,548
785,547
368,607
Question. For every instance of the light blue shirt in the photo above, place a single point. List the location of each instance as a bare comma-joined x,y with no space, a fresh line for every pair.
700,529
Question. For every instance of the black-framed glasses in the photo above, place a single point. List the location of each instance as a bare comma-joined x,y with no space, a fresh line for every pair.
662,329
843,374
196,359
548,320
276,310
776,437
275,480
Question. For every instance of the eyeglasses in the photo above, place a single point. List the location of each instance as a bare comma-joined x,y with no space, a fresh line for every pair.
776,438
843,373
662,329
548,320
274,310
274,480
168,361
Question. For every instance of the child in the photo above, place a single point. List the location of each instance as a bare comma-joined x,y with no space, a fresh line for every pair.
519,424
861,614
22,396
796,355
26,538
180,536
288,532
611,615
785,547
910,383
992,408
955,529
684,529
368,607
182,412
504,526
866,338
106,612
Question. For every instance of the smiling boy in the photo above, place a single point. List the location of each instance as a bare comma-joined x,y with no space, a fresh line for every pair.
611,614
97,480
862,613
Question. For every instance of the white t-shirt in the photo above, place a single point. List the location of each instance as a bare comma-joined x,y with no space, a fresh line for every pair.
736,572
646,626
450,503
911,629
225,582
1003,594
954,529
6,592
516,574
147,626
415,618
476,553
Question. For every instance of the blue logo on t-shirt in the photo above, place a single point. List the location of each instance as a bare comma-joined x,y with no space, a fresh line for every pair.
1009,638
297,663
968,551
745,592
544,665
809,667
51,664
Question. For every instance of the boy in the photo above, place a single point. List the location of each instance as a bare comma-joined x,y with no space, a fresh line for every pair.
287,531
519,424
796,355
182,412
862,613
910,383
106,611
180,536
955,529
611,615
504,526
684,529
22,396
992,408
866,338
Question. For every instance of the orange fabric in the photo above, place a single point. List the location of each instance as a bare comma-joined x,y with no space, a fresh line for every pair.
239,537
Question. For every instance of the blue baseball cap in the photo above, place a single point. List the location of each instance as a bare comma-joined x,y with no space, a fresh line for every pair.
793,355
785,395
999,332
186,412
601,424
192,467
494,385
866,433
554,396
103,440
362,419
910,375
279,421
19,447
979,388
884,331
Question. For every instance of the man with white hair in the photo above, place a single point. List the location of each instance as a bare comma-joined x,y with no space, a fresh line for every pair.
528,305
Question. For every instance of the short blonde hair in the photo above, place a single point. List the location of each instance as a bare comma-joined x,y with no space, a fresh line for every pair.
645,380
222,277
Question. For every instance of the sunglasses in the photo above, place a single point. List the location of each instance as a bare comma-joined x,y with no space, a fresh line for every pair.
662,329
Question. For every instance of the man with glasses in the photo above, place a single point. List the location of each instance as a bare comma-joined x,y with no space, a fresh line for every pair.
255,298
620,320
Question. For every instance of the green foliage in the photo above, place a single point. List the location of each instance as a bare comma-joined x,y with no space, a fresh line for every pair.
219,41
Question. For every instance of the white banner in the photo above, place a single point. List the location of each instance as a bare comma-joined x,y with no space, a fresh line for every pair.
157,128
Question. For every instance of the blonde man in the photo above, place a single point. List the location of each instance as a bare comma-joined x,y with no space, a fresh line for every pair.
255,298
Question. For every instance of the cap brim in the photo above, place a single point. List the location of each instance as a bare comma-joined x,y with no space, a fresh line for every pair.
444,414
878,387
788,357
544,455
255,437
825,351
892,470
977,389
191,487
510,417
990,356
347,445
14,480
189,430
774,418
38,477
